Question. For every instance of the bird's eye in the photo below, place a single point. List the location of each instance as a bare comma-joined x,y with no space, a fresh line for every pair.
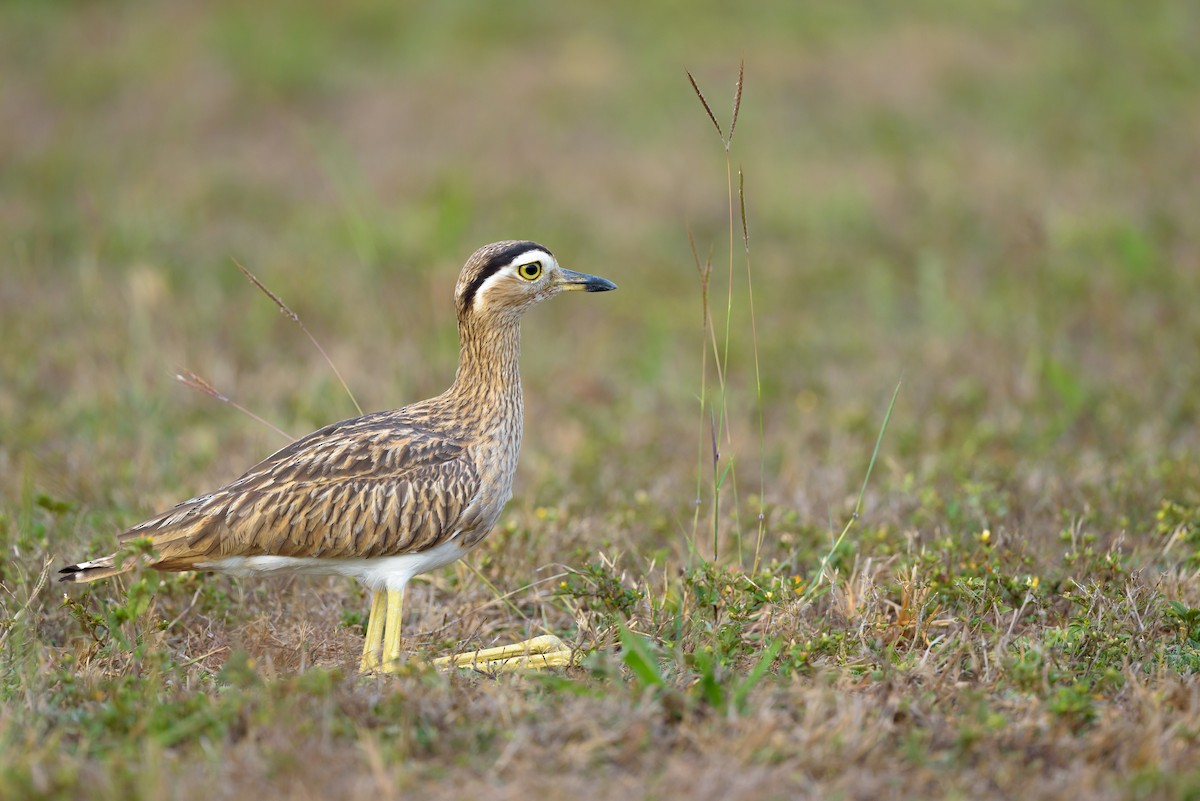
531,271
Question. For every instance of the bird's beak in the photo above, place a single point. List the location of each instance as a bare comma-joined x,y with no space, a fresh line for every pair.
572,281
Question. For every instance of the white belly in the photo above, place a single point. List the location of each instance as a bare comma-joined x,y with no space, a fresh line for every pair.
379,573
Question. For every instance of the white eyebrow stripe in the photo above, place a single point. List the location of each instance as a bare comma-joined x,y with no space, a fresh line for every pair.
533,254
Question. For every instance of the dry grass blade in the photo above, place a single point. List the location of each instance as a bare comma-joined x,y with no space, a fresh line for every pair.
745,227
295,318
758,393
737,103
704,270
700,266
283,307
33,594
707,108
193,381
716,463
716,449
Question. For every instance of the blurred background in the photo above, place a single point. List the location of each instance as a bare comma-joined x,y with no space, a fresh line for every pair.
995,200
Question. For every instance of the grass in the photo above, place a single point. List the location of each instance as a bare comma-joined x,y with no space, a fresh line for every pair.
990,199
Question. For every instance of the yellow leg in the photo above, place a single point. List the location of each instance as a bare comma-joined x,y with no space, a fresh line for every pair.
539,652
373,644
391,632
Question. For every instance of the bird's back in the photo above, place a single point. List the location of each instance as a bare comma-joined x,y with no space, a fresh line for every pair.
384,484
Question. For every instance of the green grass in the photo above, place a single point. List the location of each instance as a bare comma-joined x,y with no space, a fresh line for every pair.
991,200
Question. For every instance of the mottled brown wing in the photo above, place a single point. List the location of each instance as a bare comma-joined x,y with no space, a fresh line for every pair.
372,486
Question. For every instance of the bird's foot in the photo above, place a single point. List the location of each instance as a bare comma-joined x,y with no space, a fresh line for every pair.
540,652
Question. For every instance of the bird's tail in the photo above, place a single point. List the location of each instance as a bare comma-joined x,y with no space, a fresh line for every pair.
96,569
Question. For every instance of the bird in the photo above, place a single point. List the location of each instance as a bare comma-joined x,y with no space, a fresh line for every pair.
391,494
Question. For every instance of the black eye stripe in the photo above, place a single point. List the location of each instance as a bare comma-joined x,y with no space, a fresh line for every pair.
499,260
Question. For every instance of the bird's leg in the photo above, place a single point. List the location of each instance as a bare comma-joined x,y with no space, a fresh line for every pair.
373,644
391,632
539,652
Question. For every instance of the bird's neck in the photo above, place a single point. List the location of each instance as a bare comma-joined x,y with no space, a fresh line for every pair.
488,382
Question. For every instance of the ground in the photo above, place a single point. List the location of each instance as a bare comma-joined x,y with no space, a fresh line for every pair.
990,205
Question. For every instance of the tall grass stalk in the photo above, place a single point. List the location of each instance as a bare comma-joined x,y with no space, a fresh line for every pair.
719,423
295,318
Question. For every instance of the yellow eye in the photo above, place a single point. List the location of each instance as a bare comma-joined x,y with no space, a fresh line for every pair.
531,271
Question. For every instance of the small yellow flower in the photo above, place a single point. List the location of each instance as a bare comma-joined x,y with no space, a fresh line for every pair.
986,536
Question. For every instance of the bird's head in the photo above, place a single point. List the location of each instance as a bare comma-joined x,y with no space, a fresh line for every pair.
504,279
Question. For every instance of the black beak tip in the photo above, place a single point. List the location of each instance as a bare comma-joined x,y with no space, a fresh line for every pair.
598,284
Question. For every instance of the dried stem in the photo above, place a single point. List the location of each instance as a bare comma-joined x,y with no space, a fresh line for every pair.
193,381
737,102
295,318
707,108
